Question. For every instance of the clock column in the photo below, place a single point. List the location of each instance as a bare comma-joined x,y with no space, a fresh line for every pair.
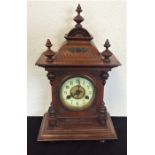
104,76
51,76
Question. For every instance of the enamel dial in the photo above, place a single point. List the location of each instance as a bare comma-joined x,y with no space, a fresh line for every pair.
77,93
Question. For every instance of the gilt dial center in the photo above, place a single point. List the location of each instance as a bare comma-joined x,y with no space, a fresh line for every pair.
77,92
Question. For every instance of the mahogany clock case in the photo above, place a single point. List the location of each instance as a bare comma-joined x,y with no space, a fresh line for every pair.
78,57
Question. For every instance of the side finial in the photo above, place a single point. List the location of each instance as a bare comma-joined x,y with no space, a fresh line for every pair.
49,53
107,44
106,53
48,44
78,19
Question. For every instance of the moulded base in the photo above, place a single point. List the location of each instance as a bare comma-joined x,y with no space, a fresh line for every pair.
67,133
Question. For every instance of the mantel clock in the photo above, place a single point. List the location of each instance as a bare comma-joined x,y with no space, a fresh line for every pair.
77,75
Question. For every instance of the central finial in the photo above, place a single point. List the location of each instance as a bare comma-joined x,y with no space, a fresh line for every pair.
78,32
78,9
78,19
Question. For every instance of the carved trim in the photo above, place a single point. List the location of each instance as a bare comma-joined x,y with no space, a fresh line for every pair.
102,114
51,76
104,77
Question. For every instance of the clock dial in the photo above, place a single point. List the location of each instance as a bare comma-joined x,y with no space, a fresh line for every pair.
77,93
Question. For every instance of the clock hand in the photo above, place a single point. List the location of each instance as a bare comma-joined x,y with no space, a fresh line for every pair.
78,88
77,92
73,94
79,83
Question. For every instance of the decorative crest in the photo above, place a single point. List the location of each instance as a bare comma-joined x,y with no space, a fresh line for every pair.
49,53
106,53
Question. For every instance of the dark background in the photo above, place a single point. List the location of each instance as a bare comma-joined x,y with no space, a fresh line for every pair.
109,147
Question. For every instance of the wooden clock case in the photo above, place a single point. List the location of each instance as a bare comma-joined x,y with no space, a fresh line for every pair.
77,57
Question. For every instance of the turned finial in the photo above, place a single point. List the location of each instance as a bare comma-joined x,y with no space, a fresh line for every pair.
107,44
78,9
106,53
78,19
49,53
48,44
